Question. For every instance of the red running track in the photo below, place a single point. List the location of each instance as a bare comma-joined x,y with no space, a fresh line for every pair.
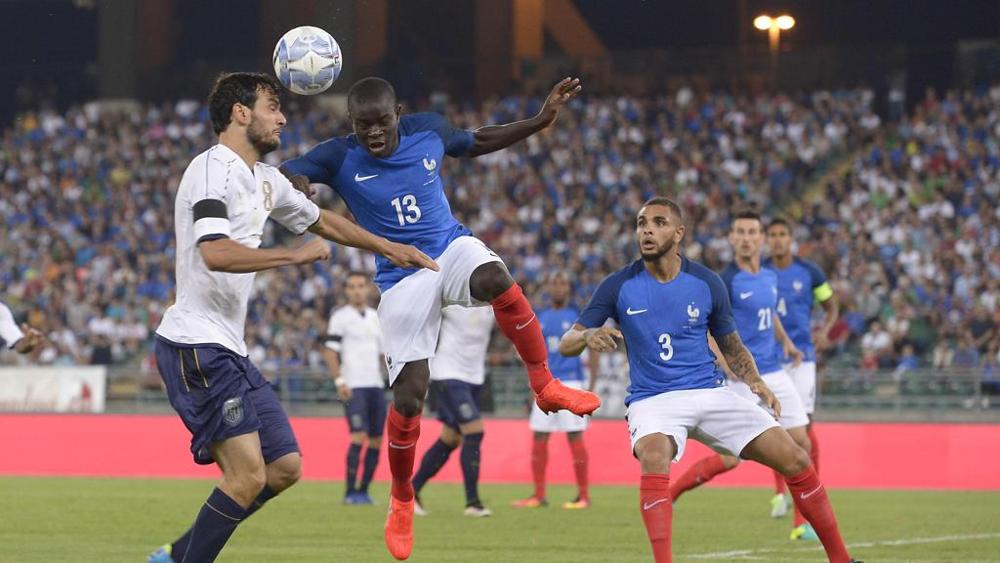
883,456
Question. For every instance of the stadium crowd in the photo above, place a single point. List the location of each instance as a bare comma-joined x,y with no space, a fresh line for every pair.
910,235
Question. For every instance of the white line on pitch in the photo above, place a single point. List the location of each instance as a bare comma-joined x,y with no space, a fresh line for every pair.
750,553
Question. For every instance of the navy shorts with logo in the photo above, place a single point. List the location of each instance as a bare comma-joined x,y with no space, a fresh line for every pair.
458,401
366,410
220,394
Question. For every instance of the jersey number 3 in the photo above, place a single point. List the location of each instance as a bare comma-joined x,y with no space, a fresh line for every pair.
668,349
406,209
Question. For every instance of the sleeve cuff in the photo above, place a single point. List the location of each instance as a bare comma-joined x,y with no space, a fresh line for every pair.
207,226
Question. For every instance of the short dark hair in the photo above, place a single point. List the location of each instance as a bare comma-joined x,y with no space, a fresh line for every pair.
358,274
779,220
746,213
237,88
666,202
370,89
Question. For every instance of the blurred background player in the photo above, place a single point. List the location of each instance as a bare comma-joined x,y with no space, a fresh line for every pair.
753,292
23,339
388,174
353,354
222,205
667,306
801,284
555,321
458,371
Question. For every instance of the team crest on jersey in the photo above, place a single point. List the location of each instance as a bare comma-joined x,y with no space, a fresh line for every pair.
797,286
232,411
693,313
431,164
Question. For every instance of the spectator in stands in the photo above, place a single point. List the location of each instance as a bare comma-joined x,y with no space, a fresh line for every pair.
967,353
908,361
943,354
877,344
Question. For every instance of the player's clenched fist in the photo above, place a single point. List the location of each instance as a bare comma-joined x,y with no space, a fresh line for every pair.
312,251
761,389
602,339
406,256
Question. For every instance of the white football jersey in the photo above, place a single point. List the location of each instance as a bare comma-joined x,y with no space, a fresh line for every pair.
357,337
10,333
219,196
462,343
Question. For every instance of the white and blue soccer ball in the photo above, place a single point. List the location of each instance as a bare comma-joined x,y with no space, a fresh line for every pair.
307,60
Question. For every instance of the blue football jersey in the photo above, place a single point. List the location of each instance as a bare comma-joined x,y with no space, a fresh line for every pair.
754,298
800,285
400,197
665,326
555,323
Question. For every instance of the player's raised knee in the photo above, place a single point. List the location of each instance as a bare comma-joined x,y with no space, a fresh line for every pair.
408,405
797,461
284,472
489,281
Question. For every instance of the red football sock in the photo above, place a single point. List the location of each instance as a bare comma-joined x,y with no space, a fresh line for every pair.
539,459
657,513
700,473
810,497
814,452
403,433
779,482
518,322
580,466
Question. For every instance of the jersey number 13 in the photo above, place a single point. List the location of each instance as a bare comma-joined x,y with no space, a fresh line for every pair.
406,208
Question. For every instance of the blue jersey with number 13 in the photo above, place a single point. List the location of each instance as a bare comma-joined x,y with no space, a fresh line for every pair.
400,197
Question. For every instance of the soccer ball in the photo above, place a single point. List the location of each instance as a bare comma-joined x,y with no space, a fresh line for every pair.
307,60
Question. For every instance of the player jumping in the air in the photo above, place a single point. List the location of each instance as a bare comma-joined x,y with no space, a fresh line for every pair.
458,372
667,306
801,284
555,321
753,292
23,339
224,200
353,354
388,174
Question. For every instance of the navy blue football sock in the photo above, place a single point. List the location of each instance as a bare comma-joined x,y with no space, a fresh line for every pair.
180,546
470,465
371,462
216,522
433,461
353,459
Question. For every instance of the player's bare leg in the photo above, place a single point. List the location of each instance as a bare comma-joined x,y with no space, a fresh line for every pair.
776,449
655,453
403,428
280,474
491,283
539,463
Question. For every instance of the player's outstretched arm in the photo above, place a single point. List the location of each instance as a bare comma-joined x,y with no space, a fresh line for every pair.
490,138
787,346
332,226
579,338
745,369
227,255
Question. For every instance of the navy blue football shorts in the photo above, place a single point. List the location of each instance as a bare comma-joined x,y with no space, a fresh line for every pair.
458,402
366,411
220,394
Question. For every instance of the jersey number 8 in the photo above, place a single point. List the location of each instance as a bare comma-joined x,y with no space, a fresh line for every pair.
406,209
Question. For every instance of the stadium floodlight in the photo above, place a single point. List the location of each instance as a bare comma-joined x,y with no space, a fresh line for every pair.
774,27
785,22
762,23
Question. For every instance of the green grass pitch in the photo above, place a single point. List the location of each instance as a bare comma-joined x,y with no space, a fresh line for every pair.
112,520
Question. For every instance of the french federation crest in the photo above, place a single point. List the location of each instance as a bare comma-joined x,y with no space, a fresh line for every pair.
797,286
430,165
232,411
693,313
